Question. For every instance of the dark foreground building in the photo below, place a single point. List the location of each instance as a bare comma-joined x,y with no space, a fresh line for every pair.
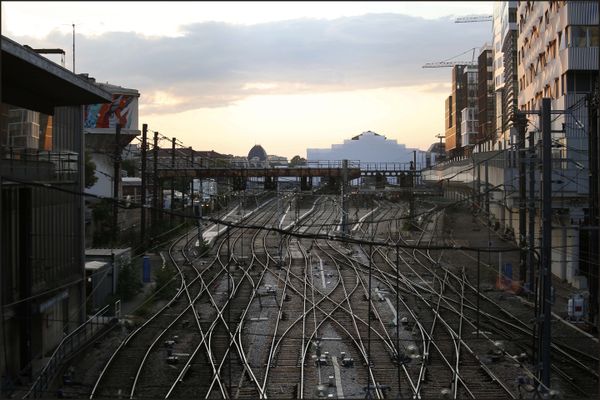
42,285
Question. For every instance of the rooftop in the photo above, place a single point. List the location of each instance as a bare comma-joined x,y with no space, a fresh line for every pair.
31,81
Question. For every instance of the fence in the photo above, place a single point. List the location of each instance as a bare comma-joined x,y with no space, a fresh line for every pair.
68,346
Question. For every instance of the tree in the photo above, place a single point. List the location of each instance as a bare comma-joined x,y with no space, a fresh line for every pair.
90,171
102,217
129,283
130,166
297,160
165,284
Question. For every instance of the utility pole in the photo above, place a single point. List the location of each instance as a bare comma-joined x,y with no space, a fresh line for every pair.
116,179
593,243
411,197
192,191
279,218
475,192
487,191
595,123
532,170
344,203
520,123
415,168
73,48
479,187
143,202
546,265
155,182
172,181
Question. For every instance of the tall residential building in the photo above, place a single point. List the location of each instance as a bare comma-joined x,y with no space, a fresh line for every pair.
504,65
454,104
557,58
486,99
42,275
464,95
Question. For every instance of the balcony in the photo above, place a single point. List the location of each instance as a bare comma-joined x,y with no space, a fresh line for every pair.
28,165
579,58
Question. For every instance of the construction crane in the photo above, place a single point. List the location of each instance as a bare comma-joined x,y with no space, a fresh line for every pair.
450,63
473,18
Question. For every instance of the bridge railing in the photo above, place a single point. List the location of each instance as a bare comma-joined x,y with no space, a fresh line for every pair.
203,163
385,166
329,164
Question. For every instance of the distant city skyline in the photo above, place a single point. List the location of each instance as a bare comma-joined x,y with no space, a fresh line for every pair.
289,76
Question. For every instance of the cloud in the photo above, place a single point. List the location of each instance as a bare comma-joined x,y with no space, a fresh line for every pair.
216,64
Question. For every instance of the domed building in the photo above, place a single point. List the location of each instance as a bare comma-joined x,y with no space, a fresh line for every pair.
257,152
257,157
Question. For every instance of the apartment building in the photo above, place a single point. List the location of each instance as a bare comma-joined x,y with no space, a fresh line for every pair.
486,115
505,70
464,95
557,57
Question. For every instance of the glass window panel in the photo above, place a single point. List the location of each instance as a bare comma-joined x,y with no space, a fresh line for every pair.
594,34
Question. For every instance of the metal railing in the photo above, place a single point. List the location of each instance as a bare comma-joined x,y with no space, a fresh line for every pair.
68,346
205,163
54,165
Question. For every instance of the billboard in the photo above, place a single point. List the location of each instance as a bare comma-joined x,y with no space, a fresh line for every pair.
123,110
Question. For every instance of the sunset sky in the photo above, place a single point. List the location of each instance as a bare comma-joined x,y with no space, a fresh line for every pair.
224,76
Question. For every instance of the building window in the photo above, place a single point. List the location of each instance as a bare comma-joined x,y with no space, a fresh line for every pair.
556,92
560,40
593,36
543,60
583,36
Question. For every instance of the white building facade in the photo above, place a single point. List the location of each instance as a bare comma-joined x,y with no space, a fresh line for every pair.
372,151
368,147
504,34
558,59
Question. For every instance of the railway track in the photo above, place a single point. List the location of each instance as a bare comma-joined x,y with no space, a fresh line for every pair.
270,314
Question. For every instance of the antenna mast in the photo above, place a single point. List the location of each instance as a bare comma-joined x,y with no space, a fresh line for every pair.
73,48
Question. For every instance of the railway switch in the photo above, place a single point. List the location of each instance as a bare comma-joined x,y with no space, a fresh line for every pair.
322,390
348,362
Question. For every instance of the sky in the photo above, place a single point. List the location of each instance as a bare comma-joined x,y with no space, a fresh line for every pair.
225,76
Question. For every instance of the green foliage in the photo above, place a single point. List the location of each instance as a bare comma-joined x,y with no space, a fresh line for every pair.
129,282
90,171
165,284
143,310
130,166
297,161
102,216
